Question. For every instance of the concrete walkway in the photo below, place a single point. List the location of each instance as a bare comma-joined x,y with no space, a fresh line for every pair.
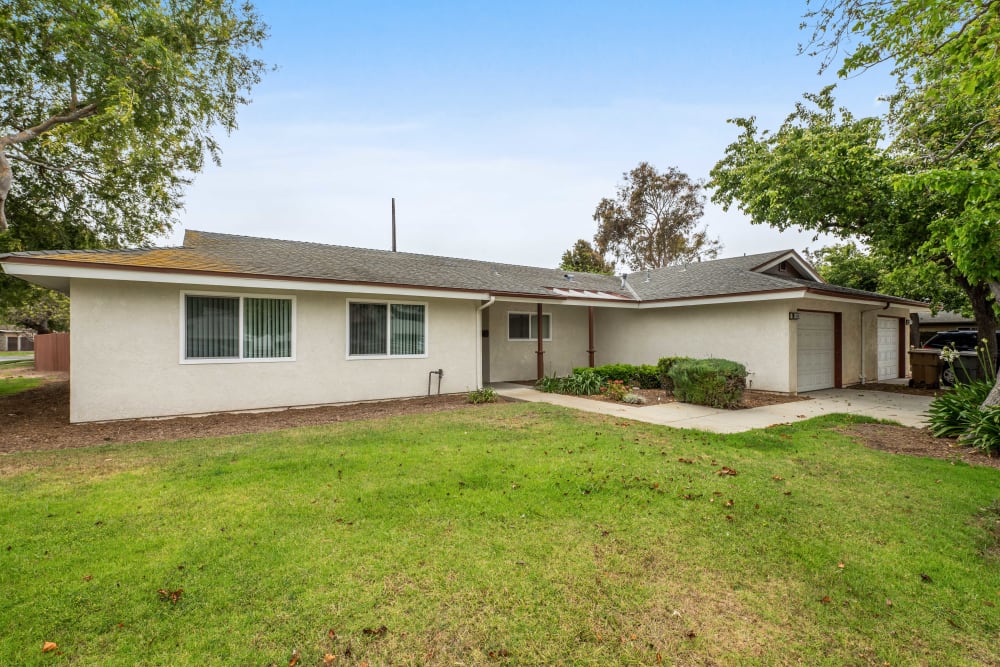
906,409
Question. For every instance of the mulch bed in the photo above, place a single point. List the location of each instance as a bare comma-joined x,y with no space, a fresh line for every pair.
896,389
38,419
916,442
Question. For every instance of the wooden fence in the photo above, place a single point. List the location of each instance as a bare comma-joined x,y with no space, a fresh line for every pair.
52,352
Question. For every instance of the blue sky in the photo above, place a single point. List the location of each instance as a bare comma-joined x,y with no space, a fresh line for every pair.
499,126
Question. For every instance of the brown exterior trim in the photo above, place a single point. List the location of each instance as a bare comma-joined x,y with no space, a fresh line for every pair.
902,348
541,349
723,296
880,299
838,350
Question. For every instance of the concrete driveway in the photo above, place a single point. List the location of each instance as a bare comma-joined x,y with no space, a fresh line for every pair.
906,409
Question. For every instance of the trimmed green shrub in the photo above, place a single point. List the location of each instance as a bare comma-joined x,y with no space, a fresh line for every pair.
952,413
484,395
550,385
718,383
663,367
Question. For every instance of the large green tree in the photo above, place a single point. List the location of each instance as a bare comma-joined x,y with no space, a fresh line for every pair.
108,109
652,220
826,170
945,111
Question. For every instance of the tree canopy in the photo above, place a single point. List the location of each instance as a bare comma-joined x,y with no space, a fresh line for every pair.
652,220
107,109
583,258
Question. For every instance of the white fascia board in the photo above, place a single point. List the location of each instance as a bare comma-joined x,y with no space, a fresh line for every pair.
597,303
32,272
725,298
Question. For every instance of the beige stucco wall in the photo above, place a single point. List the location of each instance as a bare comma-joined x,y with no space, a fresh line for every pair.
126,356
517,359
756,334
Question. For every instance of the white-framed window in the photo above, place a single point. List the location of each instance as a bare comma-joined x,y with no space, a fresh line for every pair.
524,326
226,328
384,329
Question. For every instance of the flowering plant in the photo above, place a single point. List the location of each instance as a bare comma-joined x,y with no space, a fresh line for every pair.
615,390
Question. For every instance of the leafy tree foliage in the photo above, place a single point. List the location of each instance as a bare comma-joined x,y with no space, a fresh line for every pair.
652,220
583,258
108,105
825,170
42,311
945,113
850,266
107,110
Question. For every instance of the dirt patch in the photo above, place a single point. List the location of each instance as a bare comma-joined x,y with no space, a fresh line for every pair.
896,389
38,419
752,398
916,442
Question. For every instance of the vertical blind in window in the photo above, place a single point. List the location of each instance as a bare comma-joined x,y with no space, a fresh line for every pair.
212,327
368,328
267,328
407,327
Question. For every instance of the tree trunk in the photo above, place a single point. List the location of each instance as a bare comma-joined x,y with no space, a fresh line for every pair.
6,179
993,398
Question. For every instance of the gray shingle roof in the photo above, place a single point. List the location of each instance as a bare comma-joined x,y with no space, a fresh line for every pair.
250,256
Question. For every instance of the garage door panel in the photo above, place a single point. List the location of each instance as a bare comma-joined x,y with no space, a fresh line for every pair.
888,348
815,353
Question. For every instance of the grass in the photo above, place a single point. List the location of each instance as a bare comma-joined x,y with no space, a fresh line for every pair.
14,385
504,534
14,354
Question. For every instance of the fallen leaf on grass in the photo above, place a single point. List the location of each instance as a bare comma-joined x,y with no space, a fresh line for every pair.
173,596
332,634
777,478
296,658
499,653
888,602
683,460
88,577
729,503
825,599
840,565
954,624
988,603
49,646
659,658
329,659
690,634
729,517
726,470
376,632
926,578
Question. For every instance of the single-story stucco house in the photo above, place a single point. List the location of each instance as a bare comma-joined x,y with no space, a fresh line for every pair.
230,322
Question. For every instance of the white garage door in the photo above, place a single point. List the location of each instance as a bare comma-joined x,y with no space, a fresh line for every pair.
815,351
888,348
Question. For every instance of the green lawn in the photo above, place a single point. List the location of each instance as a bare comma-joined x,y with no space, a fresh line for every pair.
14,385
505,534
14,354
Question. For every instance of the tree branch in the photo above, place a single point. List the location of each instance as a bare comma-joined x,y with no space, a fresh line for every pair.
54,167
48,124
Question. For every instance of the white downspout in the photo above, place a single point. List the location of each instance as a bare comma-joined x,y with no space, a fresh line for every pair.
479,346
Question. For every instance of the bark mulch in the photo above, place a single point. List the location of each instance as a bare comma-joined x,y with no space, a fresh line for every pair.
896,389
38,419
917,442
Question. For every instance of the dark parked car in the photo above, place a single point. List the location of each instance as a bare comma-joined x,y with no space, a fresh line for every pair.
964,342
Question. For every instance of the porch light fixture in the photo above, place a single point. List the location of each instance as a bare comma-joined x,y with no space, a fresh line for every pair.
794,315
